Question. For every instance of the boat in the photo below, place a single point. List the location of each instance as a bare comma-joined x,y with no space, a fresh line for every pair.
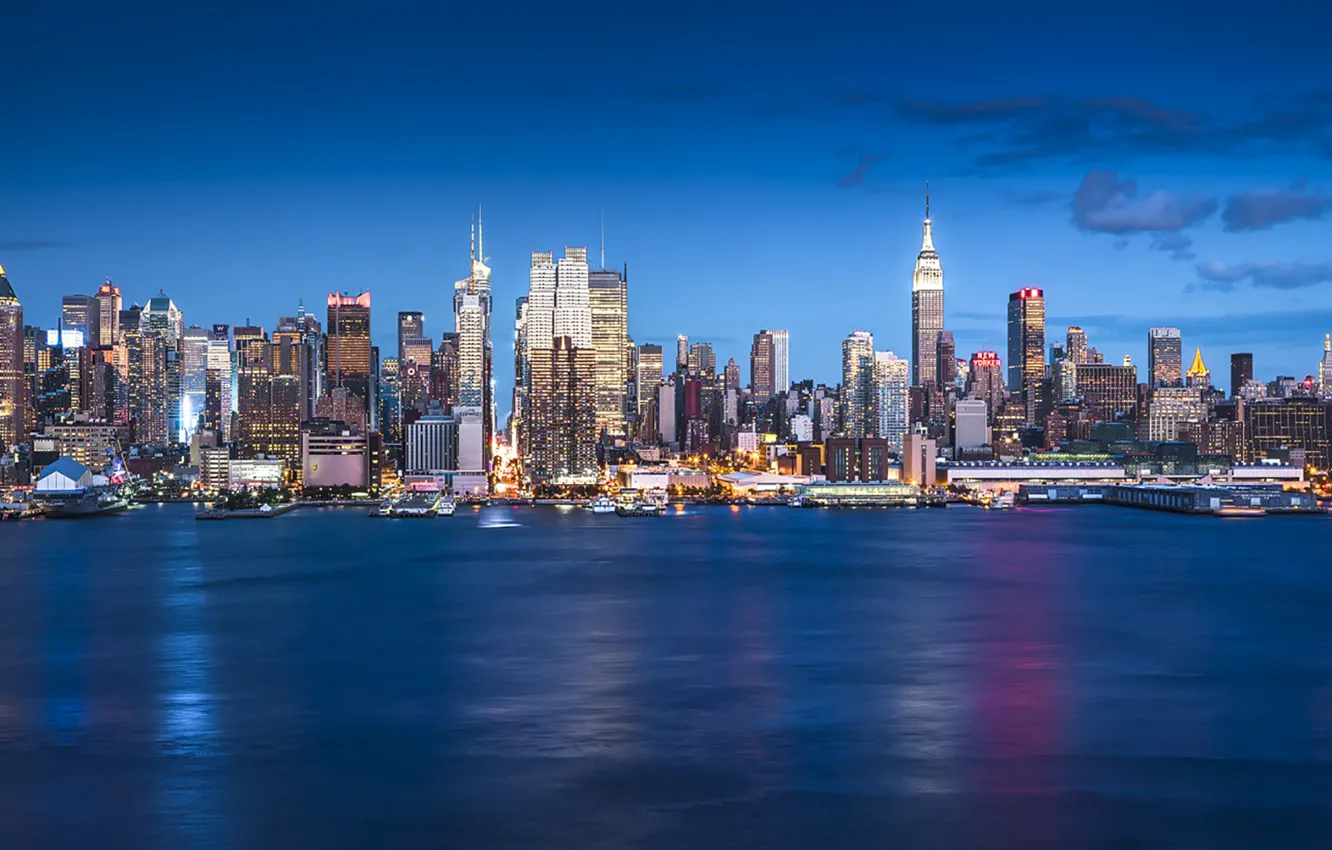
601,505
796,501
68,489
384,510
630,502
447,506
1234,511
1004,501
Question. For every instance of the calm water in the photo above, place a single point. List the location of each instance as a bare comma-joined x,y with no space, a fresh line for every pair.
760,678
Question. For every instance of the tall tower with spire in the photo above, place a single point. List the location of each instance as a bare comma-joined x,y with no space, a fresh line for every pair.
471,320
927,306
1325,369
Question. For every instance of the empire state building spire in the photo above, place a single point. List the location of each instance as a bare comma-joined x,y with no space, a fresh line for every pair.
927,305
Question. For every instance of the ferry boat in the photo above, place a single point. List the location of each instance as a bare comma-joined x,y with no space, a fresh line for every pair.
384,510
634,503
1004,501
601,505
1234,511
446,507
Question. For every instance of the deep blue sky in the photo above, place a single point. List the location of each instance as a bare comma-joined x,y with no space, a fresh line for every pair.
758,166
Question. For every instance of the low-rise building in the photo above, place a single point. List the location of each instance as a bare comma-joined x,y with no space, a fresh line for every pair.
256,474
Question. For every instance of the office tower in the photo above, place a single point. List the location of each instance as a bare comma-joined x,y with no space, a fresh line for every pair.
666,418
985,380
411,325
681,353
471,323
164,320
1170,409
1198,375
541,302
340,404
971,430
573,314
348,347
650,373
762,374
219,382
390,400
415,372
1026,338
731,375
857,384
945,360
254,376
193,376
432,445
1076,348
288,389
927,306
82,313
781,360
1241,372
1111,390
517,413
702,360
1291,423
1325,368
892,399
108,314
1165,358
148,382
13,384
562,409
444,372
608,299
1064,376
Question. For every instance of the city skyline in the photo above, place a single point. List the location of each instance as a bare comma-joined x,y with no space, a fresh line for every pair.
1170,187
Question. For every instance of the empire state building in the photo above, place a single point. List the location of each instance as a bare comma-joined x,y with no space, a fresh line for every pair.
927,307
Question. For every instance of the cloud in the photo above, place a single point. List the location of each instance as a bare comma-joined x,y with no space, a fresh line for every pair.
1104,203
1177,245
1235,330
1222,277
1262,209
1035,198
1013,132
15,245
864,162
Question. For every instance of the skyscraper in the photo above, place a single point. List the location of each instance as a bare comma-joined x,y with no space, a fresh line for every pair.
1325,368
411,325
1241,372
108,314
649,378
945,361
608,299
985,380
163,319
471,322
1165,358
13,385
892,398
762,372
927,306
1026,338
219,382
415,372
1198,375
81,313
193,376
681,353
254,377
857,384
1076,349
562,408
348,353
781,360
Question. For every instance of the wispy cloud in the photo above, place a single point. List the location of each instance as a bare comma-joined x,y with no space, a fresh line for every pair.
1177,245
1262,209
1013,132
12,246
864,162
1222,277
1106,203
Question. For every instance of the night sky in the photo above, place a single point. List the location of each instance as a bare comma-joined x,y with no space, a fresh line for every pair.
757,166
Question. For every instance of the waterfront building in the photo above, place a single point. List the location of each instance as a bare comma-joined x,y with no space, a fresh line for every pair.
432,445
762,353
1026,339
608,303
214,468
348,347
108,314
971,429
927,306
1075,348
334,455
1170,409
891,399
1165,358
918,460
256,474
1198,375
1111,390
13,384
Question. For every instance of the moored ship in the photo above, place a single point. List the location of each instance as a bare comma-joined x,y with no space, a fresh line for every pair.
68,489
